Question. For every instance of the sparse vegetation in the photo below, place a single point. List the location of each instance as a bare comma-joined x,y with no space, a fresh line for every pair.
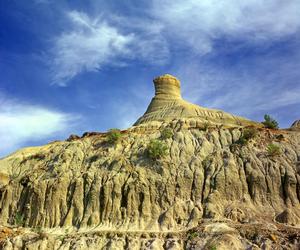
192,235
19,219
166,133
247,135
114,135
38,156
205,126
270,122
93,158
42,234
61,237
273,150
279,137
241,141
38,229
156,149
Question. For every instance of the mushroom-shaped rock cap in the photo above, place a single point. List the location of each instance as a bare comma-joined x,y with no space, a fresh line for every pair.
167,79
167,105
167,86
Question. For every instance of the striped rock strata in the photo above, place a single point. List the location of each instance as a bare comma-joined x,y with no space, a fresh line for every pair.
167,104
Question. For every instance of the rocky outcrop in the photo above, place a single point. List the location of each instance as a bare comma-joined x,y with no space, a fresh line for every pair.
87,183
296,125
213,189
167,104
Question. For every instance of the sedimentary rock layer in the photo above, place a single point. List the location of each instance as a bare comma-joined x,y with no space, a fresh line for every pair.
167,104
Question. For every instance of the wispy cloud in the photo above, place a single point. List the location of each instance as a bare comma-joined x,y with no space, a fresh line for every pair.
282,99
199,23
93,43
89,45
22,122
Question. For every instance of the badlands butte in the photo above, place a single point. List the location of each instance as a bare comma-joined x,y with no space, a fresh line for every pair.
182,177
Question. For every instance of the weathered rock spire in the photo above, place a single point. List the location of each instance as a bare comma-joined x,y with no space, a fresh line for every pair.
167,86
167,104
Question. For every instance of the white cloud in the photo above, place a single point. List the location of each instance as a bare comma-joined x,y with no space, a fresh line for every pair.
92,43
89,45
22,122
199,23
263,85
285,98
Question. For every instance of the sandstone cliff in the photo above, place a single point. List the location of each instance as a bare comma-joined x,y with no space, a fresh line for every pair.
209,192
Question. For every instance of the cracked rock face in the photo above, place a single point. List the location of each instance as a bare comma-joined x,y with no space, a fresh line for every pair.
88,184
167,104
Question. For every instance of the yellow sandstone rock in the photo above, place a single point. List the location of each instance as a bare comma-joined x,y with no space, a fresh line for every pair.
207,192
167,104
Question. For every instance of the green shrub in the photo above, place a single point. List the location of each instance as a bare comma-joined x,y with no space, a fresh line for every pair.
37,229
156,149
279,137
166,133
247,135
205,126
93,158
114,135
193,235
61,237
19,219
273,150
242,141
270,122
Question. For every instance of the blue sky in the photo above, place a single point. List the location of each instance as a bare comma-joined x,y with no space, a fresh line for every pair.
75,66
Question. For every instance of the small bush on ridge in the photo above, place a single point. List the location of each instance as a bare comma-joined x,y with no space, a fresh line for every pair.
166,133
114,135
273,150
270,122
156,149
193,235
247,135
205,126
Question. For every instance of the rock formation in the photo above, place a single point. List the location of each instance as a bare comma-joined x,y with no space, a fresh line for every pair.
212,190
167,104
296,125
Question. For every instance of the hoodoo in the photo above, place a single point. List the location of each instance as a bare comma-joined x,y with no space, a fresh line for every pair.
167,104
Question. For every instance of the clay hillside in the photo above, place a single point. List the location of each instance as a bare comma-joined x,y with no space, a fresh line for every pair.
183,177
